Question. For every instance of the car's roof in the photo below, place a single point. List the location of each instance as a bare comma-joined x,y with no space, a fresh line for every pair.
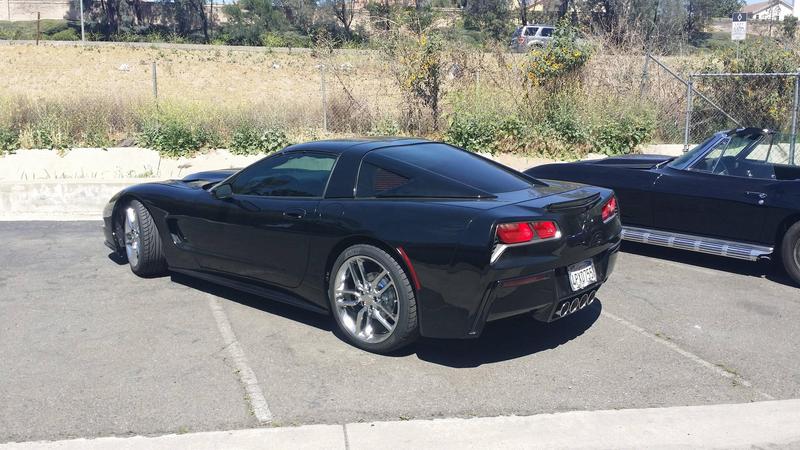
357,145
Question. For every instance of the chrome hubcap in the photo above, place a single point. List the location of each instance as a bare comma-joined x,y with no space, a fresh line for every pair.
132,238
366,299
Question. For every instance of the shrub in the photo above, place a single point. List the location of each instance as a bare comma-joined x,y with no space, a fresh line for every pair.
489,132
9,141
564,56
561,115
385,127
250,140
64,35
418,67
286,39
622,135
49,129
174,134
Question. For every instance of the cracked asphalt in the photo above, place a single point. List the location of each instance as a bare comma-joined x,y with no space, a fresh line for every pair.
89,349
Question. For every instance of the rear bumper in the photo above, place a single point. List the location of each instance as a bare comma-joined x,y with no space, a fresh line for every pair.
542,294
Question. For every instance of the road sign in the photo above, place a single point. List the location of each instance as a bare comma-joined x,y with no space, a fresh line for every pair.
738,26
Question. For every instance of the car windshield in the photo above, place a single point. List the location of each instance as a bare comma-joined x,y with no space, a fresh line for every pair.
715,147
681,161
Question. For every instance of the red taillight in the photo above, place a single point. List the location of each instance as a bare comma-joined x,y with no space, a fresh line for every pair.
609,209
520,232
514,233
545,229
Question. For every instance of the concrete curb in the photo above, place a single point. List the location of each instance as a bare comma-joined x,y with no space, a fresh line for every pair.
58,199
762,424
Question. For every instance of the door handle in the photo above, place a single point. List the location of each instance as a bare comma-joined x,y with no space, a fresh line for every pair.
295,213
760,195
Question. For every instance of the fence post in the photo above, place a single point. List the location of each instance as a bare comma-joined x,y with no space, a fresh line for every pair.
155,83
38,26
324,98
645,74
83,31
794,118
689,91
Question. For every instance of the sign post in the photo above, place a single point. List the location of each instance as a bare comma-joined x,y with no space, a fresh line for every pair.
738,29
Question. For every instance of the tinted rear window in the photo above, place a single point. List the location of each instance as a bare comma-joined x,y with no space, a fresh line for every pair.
458,165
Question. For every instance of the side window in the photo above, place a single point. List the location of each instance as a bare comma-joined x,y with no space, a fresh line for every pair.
374,181
719,159
292,175
547,32
772,153
531,31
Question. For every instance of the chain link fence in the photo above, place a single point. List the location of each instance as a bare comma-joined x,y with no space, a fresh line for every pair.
691,108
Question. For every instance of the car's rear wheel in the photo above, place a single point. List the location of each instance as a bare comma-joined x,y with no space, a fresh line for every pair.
372,300
143,246
790,252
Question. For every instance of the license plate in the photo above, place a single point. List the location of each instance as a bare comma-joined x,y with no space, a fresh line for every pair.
582,274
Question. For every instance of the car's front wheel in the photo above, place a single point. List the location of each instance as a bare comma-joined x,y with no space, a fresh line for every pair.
372,300
143,246
790,252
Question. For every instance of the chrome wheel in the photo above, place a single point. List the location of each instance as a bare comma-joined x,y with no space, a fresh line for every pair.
366,299
133,240
797,253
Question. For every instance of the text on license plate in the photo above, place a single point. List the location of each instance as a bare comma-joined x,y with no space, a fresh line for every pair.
581,275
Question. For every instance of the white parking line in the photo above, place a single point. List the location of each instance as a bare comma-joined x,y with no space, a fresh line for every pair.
258,403
685,353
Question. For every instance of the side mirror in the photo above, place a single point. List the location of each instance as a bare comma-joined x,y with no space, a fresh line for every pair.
222,191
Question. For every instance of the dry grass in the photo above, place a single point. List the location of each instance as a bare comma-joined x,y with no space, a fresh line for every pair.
216,76
100,95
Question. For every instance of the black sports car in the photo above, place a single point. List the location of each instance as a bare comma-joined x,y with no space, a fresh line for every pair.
735,195
396,237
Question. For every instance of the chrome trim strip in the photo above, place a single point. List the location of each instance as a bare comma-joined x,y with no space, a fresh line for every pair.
700,244
499,248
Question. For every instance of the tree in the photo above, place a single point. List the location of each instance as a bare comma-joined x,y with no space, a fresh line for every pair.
301,14
249,19
488,16
699,12
343,11
523,11
789,26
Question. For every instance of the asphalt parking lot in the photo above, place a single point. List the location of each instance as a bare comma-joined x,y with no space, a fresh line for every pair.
89,349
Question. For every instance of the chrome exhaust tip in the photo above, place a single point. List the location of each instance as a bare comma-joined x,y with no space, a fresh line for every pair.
592,297
574,305
563,311
584,301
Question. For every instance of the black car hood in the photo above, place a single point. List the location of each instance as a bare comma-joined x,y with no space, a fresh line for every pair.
210,176
630,161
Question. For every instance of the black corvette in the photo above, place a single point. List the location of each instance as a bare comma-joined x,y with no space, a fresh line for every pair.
735,195
395,238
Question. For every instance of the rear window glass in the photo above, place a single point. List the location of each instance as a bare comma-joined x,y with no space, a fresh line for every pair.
374,181
459,165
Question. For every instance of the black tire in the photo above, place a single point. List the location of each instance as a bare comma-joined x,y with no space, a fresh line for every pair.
406,329
151,261
790,252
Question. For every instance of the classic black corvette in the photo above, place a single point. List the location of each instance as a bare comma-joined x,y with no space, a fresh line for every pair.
735,195
395,237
